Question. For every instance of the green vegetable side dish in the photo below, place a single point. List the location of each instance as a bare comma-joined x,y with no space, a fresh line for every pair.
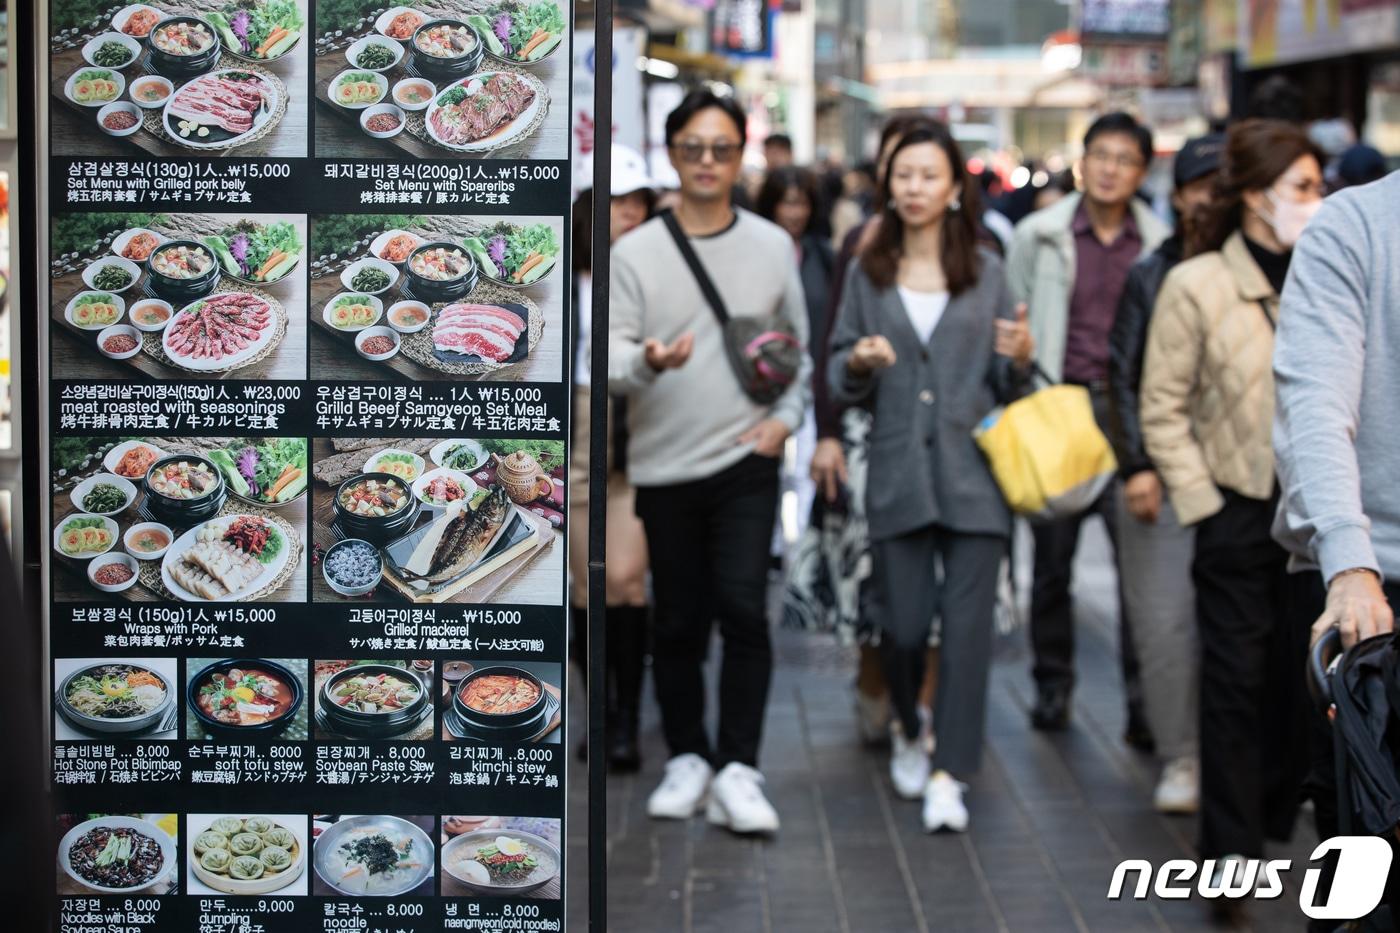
92,75
112,276
370,279
112,54
375,56
521,32
257,252
104,497
258,29
452,96
94,299
270,470
515,255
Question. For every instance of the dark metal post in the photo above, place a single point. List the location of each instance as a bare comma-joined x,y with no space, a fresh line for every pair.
598,469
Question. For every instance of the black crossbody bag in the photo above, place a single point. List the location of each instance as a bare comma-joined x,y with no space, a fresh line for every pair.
764,353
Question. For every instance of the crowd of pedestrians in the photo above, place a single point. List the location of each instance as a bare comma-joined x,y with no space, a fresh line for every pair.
1240,356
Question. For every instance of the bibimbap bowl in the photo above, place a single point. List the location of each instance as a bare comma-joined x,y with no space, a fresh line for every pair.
362,507
210,691
430,272
164,58
181,271
99,700
434,57
500,697
373,701
184,489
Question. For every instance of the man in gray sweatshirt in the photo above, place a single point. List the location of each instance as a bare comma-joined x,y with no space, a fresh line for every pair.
1337,376
704,458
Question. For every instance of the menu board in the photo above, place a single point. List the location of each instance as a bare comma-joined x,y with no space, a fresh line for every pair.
306,438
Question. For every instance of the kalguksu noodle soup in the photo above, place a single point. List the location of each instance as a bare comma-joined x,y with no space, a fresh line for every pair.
116,691
380,860
245,697
374,693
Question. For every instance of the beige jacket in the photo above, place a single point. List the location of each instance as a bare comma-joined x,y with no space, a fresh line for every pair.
1208,383
1040,266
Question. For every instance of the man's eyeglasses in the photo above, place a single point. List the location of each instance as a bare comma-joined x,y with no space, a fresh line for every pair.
693,152
1121,160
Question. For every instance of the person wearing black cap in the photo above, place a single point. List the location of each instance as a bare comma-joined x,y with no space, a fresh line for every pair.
1360,165
1154,550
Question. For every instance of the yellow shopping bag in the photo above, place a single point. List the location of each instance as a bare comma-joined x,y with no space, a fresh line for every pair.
1047,452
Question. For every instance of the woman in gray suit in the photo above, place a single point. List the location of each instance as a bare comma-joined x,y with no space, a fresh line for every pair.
928,341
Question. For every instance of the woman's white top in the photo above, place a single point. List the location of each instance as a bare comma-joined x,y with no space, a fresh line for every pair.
925,309
585,329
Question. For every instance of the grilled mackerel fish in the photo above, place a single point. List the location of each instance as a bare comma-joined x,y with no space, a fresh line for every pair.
458,539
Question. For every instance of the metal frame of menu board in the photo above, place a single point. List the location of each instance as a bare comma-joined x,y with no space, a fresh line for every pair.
296,628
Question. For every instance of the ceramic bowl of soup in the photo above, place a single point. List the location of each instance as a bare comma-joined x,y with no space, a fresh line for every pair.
440,271
499,697
373,700
446,48
245,696
375,506
182,271
183,489
183,46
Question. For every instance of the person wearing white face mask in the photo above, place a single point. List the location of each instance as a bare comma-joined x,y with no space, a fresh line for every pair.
1207,412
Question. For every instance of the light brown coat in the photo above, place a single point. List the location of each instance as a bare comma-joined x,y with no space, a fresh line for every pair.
1207,383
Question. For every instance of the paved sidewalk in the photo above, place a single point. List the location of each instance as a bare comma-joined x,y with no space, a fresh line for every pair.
1051,816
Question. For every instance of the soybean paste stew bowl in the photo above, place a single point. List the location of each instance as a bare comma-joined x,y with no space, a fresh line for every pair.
114,697
446,48
500,697
375,506
375,701
182,271
183,47
184,489
245,696
441,271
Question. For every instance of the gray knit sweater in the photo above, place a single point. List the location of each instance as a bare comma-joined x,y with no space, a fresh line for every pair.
684,424
1337,374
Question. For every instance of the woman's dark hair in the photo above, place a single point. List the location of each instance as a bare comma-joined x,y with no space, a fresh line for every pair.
776,186
1256,153
582,230
1125,124
959,257
699,100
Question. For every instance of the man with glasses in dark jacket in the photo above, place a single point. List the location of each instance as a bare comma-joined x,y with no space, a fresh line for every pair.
1154,550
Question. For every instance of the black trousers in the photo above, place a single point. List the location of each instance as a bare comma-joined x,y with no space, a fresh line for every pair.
1052,610
1254,701
708,541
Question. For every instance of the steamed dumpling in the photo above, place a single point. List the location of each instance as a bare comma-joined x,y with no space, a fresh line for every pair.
216,860
257,824
246,868
246,844
279,836
209,840
275,858
228,825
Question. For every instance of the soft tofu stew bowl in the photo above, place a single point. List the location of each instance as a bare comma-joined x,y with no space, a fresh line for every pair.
245,696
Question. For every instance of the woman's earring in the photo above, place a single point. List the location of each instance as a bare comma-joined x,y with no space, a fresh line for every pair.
955,205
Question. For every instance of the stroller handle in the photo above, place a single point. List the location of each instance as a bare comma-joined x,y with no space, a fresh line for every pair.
1320,658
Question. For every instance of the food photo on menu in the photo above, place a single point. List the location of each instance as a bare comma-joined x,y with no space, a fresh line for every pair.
247,854
495,702
119,853
465,78
364,699
178,296
204,77
437,297
189,519
438,520
373,856
246,699
116,698
501,856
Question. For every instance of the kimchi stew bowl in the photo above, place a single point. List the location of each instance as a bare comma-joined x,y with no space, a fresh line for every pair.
499,697
245,696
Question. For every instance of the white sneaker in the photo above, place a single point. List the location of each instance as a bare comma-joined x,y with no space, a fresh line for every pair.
737,801
682,788
1179,790
909,763
873,717
943,804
